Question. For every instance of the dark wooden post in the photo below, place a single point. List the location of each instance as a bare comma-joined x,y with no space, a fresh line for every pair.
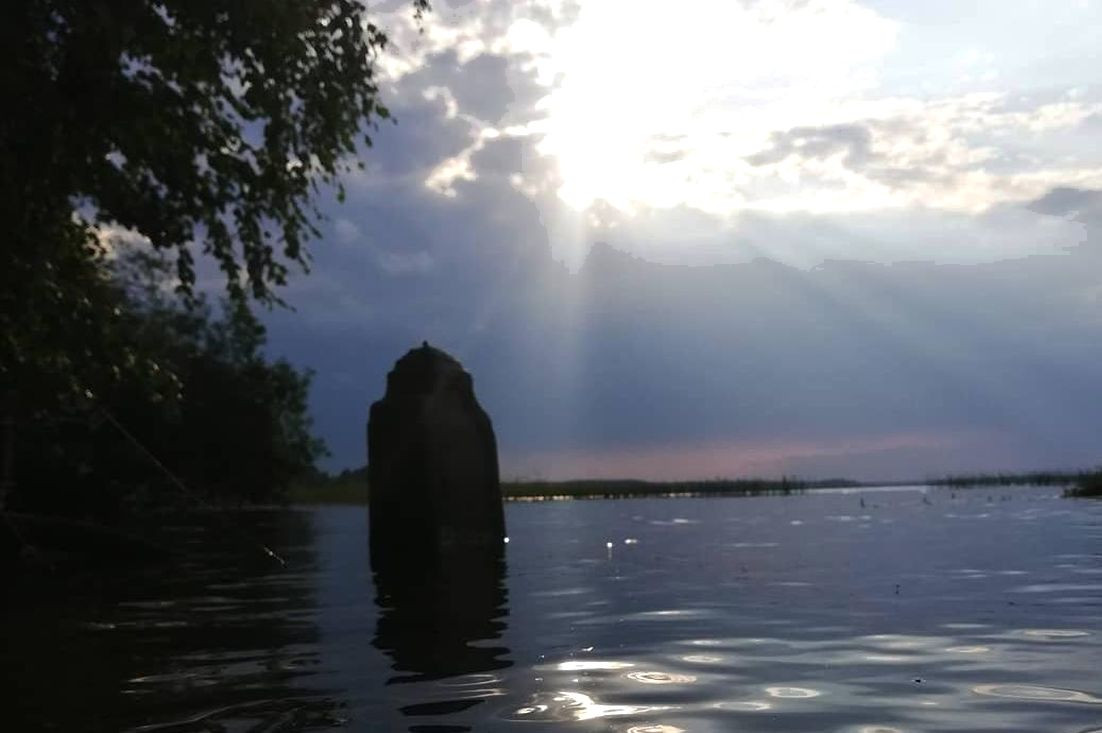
432,462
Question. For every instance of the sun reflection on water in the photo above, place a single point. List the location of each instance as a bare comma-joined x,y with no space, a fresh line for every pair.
792,692
567,705
585,666
660,678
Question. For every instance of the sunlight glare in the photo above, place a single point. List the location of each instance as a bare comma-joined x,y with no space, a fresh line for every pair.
656,108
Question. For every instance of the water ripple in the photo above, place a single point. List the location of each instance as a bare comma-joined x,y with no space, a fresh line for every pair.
1036,692
792,692
1054,634
745,706
660,678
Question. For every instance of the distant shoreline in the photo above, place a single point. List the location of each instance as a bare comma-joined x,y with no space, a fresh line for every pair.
351,487
355,491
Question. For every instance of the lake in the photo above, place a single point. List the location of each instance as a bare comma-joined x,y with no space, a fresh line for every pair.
901,609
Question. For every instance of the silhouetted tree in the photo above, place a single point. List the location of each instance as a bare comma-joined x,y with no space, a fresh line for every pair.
226,420
206,127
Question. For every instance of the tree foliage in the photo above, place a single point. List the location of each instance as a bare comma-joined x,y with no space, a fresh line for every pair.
226,421
206,130
206,127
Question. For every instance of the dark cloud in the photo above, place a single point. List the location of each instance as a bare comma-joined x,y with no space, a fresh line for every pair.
762,349
1079,203
501,156
852,140
489,87
630,353
422,137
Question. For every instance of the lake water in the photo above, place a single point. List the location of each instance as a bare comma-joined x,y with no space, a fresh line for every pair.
862,611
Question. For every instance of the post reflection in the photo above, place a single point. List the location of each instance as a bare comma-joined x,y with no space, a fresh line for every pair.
438,619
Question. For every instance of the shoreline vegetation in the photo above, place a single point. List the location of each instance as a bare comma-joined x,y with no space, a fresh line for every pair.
350,486
1089,484
1032,478
1078,484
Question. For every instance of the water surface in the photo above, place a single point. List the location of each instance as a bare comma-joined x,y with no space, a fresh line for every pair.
891,610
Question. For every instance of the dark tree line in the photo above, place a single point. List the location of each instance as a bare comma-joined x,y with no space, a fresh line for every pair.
212,412
204,130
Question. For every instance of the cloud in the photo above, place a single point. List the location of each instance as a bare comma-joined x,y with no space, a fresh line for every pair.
793,121
953,154
852,141
1070,202
882,283
688,236
626,360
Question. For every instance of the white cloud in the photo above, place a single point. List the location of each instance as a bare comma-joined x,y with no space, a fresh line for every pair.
719,75
631,112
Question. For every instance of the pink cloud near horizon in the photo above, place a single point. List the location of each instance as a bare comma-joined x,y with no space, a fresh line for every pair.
858,457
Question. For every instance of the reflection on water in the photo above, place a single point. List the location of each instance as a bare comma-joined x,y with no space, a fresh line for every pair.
791,692
1035,692
746,706
566,706
587,666
1054,634
438,620
432,614
895,611
217,640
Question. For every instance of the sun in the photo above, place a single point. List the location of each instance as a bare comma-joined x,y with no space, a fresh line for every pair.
655,108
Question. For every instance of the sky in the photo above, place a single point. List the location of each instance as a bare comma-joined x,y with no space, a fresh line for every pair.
728,237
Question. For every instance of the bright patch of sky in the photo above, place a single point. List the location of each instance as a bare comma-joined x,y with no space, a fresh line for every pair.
769,108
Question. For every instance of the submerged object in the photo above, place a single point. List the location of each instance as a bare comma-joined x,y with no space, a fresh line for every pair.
432,462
